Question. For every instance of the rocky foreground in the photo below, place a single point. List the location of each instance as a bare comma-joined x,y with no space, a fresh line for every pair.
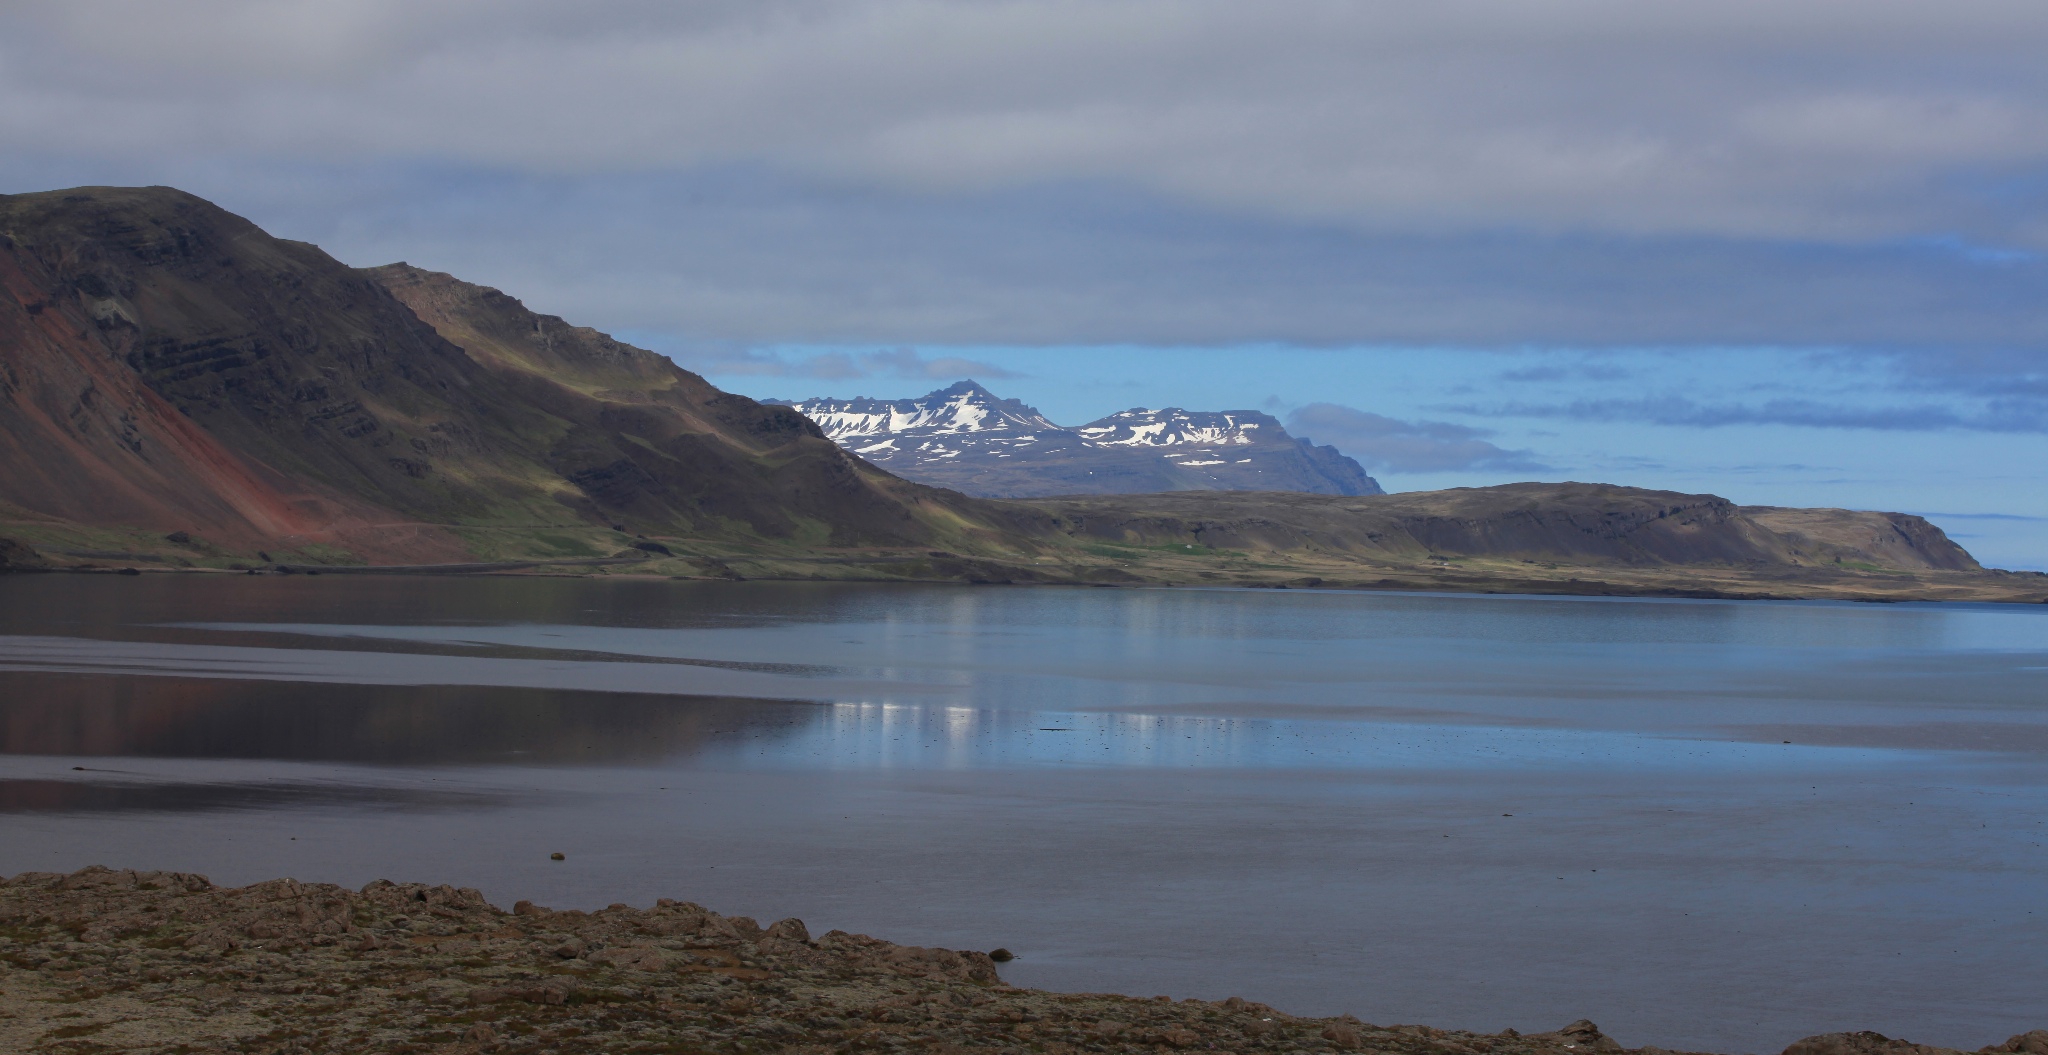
165,962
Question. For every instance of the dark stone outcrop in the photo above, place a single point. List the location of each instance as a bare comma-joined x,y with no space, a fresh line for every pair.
19,556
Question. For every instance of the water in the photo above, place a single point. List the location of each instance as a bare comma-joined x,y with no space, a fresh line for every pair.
1715,825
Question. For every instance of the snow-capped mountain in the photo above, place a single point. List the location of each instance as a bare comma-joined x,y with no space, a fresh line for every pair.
966,438
939,426
1214,431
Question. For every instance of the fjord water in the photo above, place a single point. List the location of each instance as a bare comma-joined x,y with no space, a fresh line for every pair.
1703,824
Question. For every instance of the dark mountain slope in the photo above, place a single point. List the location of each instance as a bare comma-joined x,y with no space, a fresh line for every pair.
650,440
84,436
205,376
303,367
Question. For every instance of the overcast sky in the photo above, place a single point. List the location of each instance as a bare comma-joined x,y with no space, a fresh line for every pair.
1788,251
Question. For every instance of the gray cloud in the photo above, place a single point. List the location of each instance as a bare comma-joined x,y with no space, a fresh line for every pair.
832,366
757,257
1489,172
1384,444
1736,118
2002,415
1994,373
1552,372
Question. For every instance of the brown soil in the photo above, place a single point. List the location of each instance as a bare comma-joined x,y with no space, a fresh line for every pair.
162,962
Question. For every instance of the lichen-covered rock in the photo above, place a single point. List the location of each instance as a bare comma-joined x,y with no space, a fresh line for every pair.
158,962
1862,1043
2032,1042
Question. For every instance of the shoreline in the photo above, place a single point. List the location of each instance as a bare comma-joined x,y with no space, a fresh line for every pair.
1992,586
161,962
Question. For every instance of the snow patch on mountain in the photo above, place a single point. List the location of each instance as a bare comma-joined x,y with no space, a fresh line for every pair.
970,439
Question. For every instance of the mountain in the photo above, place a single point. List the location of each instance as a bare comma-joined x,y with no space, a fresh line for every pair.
178,387
1589,524
168,367
966,438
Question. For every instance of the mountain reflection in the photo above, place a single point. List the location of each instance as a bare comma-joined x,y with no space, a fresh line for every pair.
86,796
111,716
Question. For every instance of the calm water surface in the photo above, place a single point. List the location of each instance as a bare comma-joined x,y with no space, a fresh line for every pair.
1718,825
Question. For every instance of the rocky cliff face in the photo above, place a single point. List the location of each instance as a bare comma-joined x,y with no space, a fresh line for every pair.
167,366
967,438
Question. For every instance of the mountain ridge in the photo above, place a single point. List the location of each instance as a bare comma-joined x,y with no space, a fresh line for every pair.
967,438
180,389
210,379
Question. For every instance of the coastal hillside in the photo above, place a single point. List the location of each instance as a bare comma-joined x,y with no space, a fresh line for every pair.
179,389
971,440
646,441
172,369
1569,538
1596,523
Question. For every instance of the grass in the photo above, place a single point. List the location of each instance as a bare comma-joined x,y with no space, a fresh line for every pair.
1178,549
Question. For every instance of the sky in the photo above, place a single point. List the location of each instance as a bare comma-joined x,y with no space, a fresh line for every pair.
1789,252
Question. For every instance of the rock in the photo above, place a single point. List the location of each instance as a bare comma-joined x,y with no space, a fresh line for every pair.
195,964
18,556
552,993
1002,955
1860,1043
632,958
791,929
2032,1042
1582,1035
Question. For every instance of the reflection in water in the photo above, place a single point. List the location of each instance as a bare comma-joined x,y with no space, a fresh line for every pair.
857,736
89,796
112,716
1471,811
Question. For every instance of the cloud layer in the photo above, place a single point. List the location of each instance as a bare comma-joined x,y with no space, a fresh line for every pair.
1494,172
1823,120
836,365
1383,444
2024,413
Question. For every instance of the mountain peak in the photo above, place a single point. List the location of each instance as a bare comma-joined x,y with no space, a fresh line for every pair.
965,437
964,388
